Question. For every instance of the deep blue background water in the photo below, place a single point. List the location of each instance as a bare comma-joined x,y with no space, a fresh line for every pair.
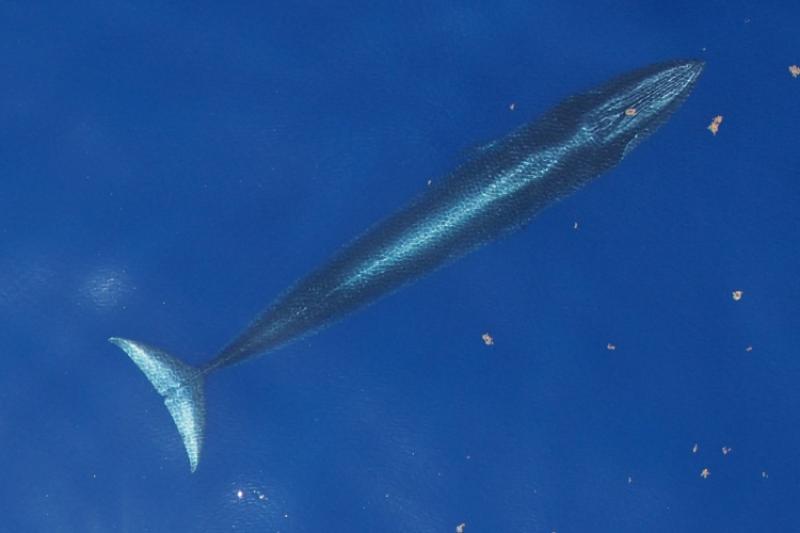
169,168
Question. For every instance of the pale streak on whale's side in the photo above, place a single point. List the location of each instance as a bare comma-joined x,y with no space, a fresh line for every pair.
501,188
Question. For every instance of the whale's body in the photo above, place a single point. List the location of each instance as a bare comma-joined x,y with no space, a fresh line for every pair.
501,188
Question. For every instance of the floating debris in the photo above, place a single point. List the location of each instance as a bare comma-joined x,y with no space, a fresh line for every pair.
737,295
630,480
611,347
575,225
764,474
630,112
726,450
488,340
695,448
430,182
714,126
461,527
748,349
512,106
705,473
794,70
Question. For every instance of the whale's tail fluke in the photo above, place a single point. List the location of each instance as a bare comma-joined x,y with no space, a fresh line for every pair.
181,386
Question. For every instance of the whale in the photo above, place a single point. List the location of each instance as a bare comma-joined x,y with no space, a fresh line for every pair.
500,188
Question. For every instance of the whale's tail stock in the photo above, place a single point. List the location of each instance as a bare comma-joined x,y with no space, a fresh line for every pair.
181,386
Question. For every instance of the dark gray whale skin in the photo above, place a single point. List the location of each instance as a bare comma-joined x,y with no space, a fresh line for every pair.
501,188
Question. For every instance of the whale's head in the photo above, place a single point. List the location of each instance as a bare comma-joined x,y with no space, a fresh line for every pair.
621,113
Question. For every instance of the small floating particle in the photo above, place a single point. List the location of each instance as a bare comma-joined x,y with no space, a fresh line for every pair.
512,106
794,70
764,474
705,473
737,295
630,480
488,340
726,450
611,347
714,126
430,182
748,349
630,112
575,225
695,448
461,527
240,494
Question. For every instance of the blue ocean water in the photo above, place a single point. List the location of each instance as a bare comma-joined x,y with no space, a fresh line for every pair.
169,168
